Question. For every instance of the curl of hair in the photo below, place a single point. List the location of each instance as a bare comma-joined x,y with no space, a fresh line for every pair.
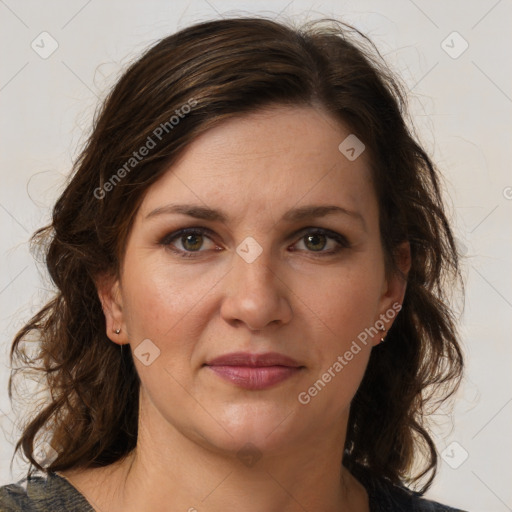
223,69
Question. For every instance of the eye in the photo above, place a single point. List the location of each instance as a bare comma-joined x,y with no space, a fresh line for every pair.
188,242
191,241
315,240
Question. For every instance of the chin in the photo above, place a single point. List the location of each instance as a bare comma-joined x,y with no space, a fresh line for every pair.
263,428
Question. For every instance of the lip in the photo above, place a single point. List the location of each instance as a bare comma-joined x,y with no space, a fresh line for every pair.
253,360
254,371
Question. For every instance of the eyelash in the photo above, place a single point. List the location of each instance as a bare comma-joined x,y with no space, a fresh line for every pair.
342,242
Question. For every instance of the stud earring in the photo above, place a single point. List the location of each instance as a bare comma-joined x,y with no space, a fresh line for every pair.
383,337
117,331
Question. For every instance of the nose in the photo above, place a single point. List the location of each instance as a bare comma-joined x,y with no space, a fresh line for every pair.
255,295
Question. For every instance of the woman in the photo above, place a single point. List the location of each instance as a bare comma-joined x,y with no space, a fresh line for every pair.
250,260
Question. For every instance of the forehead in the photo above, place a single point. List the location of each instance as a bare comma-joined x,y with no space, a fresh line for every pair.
277,157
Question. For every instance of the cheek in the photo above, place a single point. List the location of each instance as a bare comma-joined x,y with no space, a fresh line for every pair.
342,349
162,301
344,300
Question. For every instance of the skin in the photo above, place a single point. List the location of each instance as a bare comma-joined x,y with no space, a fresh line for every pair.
295,299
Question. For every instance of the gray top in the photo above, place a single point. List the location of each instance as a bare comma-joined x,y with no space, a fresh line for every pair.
42,494
55,494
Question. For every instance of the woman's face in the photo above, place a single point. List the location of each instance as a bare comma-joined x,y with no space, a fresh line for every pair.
283,257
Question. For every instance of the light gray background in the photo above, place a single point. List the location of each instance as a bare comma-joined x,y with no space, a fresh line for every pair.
462,109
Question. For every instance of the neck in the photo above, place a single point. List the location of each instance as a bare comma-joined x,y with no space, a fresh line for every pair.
172,471
168,467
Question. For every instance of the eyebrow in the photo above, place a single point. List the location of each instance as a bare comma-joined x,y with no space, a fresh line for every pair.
294,215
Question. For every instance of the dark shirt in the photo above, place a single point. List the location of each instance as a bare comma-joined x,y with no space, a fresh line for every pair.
56,494
384,496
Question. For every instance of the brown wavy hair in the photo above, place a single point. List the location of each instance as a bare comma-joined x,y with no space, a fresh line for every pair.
227,68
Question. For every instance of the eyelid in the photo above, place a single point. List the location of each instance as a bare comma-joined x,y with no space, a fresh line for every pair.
316,229
185,231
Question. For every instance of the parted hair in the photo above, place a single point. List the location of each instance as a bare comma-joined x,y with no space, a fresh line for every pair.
221,69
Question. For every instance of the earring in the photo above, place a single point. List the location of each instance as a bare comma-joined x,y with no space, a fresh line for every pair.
382,338
117,331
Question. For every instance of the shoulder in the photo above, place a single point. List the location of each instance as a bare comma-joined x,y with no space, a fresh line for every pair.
42,494
385,496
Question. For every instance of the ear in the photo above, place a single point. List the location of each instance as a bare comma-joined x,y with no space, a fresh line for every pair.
109,293
393,290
